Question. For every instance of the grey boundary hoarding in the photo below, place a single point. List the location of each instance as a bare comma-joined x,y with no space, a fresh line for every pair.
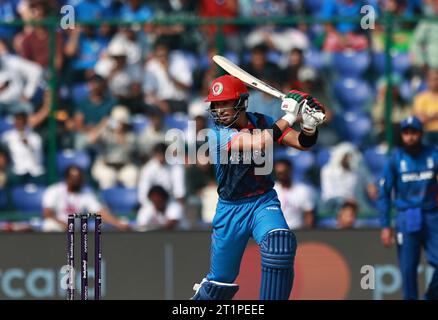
165,265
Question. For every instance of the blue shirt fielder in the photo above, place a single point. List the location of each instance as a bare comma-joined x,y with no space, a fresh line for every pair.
248,206
410,182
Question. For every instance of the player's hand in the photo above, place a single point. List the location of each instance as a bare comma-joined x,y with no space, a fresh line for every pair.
292,105
312,114
387,237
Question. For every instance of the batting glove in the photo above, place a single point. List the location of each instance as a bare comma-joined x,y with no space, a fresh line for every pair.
292,105
312,114
298,96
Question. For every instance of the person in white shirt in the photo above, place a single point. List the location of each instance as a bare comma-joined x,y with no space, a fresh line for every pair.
157,172
167,80
25,148
153,133
345,178
19,80
121,75
160,212
297,200
69,197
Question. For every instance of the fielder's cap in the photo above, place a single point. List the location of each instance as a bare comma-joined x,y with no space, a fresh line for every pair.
411,122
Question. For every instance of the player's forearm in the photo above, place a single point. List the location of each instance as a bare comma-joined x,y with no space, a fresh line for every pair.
300,140
384,209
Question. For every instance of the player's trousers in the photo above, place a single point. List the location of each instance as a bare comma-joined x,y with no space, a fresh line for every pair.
414,231
234,223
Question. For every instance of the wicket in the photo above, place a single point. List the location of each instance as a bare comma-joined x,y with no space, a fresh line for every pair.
84,217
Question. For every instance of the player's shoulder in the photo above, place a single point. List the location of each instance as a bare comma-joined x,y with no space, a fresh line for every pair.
260,118
396,153
431,151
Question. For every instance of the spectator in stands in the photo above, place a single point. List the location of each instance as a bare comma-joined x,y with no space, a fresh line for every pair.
152,134
195,129
179,36
400,109
199,179
344,178
344,35
259,66
347,215
88,10
35,44
122,77
25,148
295,62
129,39
167,80
116,144
402,31
198,106
8,13
70,197
157,172
278,38
135,11
84,46
297,199
226,9
5,171
93,111
424,46
426,107
160,212
19,81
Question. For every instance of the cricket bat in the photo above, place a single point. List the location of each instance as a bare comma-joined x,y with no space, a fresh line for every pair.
249,79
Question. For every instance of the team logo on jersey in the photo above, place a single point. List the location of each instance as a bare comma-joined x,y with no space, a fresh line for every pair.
217,88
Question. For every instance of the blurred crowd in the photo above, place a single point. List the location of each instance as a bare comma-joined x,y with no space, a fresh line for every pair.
121,87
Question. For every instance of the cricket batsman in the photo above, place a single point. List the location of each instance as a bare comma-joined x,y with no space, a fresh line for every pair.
410,175
248,205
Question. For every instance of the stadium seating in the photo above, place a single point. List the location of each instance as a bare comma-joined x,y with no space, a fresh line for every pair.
315,59
232,56
28,198
313,6
302,161
139,123
79,92
177,120
375,158
121,201
322,157
69,157
350,63
3,199
352,93
354,126
6,124
400,62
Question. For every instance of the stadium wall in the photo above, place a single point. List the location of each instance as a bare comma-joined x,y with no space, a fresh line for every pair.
161,265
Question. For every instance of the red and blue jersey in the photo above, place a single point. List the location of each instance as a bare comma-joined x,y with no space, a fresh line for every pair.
235,170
